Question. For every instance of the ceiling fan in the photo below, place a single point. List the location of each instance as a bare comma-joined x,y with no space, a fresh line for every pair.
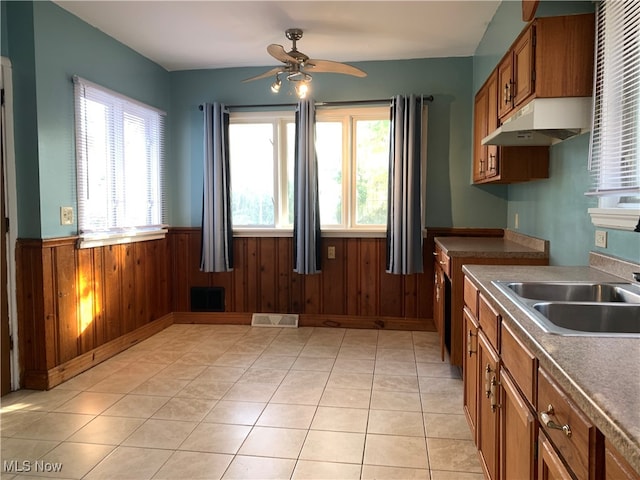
298,66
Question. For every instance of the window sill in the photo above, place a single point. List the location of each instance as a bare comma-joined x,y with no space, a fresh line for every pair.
102,240
616,218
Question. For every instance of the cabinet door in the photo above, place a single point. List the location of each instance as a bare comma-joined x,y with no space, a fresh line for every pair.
493,168
550,467
517,433
523,67
470,370
439,304
489,396
480,129
505,85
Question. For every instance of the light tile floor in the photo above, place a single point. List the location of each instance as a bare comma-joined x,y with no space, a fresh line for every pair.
239,402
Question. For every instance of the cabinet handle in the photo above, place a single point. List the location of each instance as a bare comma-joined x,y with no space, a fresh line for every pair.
492,398
545,418
508,96
469,336
481,166
487,380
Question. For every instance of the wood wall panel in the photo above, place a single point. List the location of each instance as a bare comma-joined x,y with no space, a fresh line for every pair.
71,301
351,285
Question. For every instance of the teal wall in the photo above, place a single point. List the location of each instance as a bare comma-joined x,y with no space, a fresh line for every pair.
47,46
4,38
451,201
553,209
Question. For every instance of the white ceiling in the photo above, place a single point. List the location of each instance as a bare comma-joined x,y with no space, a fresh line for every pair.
186,35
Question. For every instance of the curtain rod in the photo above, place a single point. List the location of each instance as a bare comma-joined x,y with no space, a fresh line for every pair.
428,98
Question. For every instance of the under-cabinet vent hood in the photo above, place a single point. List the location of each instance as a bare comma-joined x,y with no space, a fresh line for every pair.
544,121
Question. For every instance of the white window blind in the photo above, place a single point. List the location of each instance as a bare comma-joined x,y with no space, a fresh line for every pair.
120,157
615,139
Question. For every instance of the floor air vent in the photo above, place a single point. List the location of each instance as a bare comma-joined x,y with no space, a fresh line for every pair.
274,320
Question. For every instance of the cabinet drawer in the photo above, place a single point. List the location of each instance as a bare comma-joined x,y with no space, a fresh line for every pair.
443,260
579,442
520,362
489,321
471,296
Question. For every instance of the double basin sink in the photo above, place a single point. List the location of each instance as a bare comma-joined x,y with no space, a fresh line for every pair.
579,308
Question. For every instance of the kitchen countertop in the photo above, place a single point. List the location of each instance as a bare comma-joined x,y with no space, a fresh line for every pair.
600,374
511,245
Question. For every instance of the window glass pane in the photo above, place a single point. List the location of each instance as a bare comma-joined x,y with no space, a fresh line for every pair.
329,152
251,148
97,171
372,171
134,200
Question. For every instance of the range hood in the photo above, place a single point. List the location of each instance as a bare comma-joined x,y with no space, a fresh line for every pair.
544,121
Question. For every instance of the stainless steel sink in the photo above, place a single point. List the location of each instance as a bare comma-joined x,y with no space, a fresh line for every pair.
579,308
592,317
577,292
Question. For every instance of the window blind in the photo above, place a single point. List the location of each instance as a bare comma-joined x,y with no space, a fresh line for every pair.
120,158
615,138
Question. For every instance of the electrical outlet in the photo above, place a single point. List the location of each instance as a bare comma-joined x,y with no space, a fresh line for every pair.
331,252
601,238
66,215
516,221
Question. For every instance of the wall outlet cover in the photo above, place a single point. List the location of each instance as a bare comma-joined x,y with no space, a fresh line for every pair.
601,238
66,215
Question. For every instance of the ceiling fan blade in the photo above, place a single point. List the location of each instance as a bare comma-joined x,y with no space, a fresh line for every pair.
269,73
329,66
278,52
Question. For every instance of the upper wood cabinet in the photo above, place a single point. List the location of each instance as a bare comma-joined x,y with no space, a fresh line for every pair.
494,164
552,57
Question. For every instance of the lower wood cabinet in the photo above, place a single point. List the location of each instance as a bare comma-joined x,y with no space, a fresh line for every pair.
518,433
487,421
503,384
470,370
550,467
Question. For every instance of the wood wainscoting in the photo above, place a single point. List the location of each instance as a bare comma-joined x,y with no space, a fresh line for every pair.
78,307
351,287
72,302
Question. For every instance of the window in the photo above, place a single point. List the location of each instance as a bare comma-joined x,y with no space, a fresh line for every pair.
352,148
615,140
120,155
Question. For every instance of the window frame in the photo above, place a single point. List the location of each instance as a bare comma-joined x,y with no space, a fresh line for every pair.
154,120
346,116
611,212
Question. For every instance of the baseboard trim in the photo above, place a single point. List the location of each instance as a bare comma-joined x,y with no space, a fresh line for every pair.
39,380
312,320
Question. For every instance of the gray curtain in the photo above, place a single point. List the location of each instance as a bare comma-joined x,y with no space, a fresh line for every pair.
404,225
217,232
306,206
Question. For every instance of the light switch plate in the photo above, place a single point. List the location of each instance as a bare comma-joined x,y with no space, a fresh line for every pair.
66,215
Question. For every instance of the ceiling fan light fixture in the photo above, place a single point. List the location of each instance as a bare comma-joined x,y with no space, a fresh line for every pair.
302,89
275,86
